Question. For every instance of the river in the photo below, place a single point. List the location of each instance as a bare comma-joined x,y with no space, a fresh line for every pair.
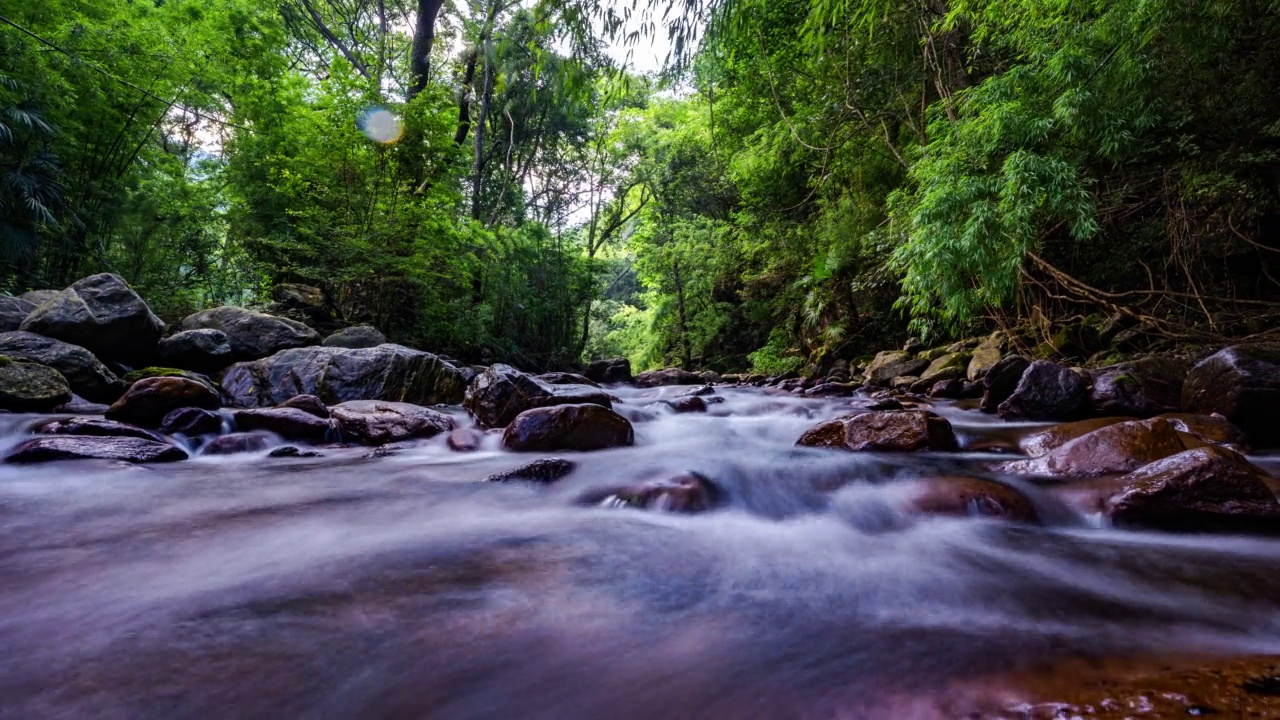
376,585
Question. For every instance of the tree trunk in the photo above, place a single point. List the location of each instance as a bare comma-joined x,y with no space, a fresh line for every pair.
477,180
424,36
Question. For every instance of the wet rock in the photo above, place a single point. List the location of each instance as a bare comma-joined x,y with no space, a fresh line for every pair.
360,336
235,443
97,427
1111,450
949,389
204,351
892,363
13,311
148,401
703,391
1207,488
1046,391
501,393
887,431
951,366
465,440
543,471
86,375
1213,429
49,448
669,376
904,383
567,427
972,390
308,404
375,422
28,387
155,372
566,378
102,314
289,451
79,406
388,372
710,377
682,405
831,389
192,422
1241,383
1147,387
971,497
1001,380
1042,441
687,492
289,423
611,370
253,335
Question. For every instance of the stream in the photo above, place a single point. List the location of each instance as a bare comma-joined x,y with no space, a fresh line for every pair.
398,585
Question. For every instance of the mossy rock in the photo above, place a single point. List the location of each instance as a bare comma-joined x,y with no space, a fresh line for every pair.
29,387
151,372
933,353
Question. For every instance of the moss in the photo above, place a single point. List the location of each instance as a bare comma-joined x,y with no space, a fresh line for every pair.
5,361
151,372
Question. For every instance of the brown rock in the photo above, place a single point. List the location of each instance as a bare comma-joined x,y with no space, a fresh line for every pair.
1040,442
501,392
465,440
567,427
97,427
1110,450
235,443
149,400
308,404
82,447
1205,488
1241,383
289,423
1213,429
891,431
687,492
375,422
972,497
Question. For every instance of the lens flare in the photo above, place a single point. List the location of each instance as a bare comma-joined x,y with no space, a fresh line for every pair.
381,125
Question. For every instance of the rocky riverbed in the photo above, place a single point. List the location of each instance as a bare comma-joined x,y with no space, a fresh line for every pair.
275,523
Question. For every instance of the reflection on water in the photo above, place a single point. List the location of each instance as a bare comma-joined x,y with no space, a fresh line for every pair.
401,586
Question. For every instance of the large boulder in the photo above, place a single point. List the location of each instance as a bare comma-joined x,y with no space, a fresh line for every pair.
253,335
1212,429
205,350
1143,388
1000,380
610,370
148,401
13,311
28,387
360,336
1241,383
1111,450
192,422
886,431
951,366
86,374
501,392
387,372
567,427
668,376
86,447
1046,391
374,422
1041,442
1206,488
289,423
97,427
895,363
102,314
39,297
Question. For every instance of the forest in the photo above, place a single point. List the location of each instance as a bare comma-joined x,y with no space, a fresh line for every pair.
803,180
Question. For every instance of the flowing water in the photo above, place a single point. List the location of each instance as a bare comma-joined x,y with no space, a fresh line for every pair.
400,586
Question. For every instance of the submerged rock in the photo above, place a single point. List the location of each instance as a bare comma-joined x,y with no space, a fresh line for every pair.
149,400
971,497
84,372
99,427
253,335
609,371
204,350
668,376
84,447
28,387
102,314
688,492
1046,391
235,443
1209,488
1241,383
544,471
465,440
501,392
388,372
886,431
567,427
1114,449
289,423
375,422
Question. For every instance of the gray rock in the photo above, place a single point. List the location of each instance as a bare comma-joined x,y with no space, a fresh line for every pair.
387,372
102,314
375,422
86,374
205,350
97,427
360,336
253,335
1147,387
287,422
567,427
895,363
39,297
611,370
1241,383
191,422
668,376
13,311
84,447
28,387
1046,391
501,392
148,401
